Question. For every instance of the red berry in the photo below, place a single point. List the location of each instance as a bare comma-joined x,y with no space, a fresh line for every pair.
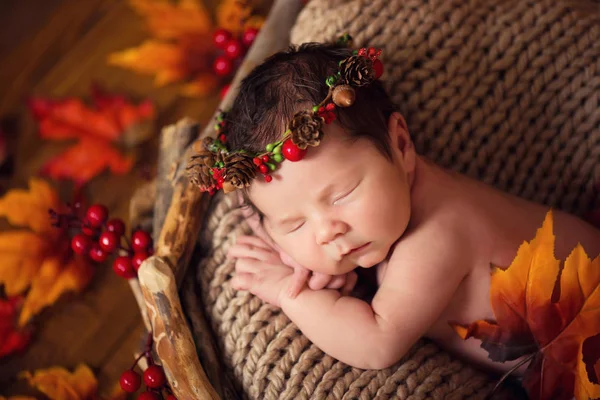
81,243
233,49
116,225
263,168
138,258
248,36
265,158
147,396
221,37
222,137
154,376
224,91
123,267
130,381
222,66
96,215
171,397
378,68
140,240
108,241
97,254
86,227
268,178
257,161
292,152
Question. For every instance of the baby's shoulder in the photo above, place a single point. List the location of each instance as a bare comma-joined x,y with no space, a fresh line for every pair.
437,243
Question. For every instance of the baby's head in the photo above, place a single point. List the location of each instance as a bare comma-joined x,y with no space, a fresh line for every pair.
348,200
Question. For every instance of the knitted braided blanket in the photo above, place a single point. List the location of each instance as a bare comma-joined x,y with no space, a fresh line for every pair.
504,91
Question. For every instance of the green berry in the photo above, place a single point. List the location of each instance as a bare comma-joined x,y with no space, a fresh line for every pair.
277,149
217,127
315,108
271,166
278,157
270,147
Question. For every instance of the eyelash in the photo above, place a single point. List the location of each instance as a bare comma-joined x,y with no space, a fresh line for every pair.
296,228
346,194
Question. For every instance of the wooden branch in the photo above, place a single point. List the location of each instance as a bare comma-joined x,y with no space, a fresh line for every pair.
174,139
172,337
185,213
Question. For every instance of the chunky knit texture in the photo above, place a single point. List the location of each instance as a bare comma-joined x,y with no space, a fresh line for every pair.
504,91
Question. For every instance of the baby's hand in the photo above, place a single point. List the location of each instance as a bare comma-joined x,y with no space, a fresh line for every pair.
259,270
318,280
301,275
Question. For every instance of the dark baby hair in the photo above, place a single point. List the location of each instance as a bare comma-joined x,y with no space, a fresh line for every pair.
294,80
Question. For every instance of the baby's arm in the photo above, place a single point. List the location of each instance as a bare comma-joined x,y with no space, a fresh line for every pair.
418,285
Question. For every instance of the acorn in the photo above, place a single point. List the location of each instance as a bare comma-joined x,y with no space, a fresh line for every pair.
343,95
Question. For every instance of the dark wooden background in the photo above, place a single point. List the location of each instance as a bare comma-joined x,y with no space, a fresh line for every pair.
56,48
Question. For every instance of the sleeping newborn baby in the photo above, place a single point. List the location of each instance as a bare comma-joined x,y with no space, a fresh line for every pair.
361,196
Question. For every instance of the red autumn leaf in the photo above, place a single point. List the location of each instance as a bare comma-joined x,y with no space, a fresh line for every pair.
12,338
553,314
111,120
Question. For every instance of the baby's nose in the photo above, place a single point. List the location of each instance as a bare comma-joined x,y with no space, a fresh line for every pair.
328,231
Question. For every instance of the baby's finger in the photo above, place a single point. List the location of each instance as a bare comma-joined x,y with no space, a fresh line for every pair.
336,282
318,281
253,241
247,251
351,279
241,281
247,266
298,280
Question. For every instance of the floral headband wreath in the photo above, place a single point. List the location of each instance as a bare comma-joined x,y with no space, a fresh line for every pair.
216,167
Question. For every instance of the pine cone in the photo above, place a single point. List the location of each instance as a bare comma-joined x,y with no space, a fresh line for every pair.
199,173
357,70
240,170
306,129
199,166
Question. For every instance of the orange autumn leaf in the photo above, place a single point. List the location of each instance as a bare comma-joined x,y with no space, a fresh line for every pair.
36,260
111,120
553,314
59,384
237,15
181,48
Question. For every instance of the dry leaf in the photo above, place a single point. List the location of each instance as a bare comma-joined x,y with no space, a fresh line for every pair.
59,384
182,47
561,325
111,120
38,258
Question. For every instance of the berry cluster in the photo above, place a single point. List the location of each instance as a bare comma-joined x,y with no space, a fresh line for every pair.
97,237
153,376
233,50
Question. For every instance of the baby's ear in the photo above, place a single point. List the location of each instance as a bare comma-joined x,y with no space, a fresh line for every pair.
401,142
398,130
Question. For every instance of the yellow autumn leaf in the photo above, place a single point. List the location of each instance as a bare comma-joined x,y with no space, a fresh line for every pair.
180,48
37,258
59,384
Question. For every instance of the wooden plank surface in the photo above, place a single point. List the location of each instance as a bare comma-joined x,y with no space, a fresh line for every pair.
57,48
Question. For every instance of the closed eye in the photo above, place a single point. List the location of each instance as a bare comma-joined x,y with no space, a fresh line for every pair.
343,196
296,227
